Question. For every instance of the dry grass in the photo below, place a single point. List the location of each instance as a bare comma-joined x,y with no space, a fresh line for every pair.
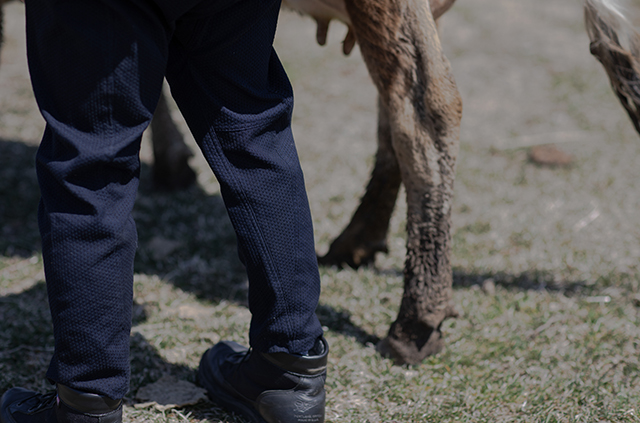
546,260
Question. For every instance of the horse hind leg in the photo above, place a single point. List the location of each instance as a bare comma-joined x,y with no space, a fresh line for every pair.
366,234
171,155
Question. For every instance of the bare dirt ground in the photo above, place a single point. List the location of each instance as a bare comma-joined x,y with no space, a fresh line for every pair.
550,234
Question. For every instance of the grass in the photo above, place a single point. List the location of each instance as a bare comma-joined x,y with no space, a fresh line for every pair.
545,260
514,354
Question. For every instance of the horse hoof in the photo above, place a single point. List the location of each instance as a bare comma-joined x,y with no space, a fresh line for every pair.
409,351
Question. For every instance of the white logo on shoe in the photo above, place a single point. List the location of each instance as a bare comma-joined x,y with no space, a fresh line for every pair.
303,406
310,419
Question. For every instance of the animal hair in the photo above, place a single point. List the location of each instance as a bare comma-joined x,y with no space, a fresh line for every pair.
616,44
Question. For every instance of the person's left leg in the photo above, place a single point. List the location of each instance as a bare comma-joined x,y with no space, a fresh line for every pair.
235,95
237,99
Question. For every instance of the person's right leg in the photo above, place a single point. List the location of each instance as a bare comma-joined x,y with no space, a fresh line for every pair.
97,68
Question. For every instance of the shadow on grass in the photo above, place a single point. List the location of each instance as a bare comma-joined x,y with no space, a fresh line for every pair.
185,238
19,194
339,321
531,280
26,338
26,344
26,347
536,280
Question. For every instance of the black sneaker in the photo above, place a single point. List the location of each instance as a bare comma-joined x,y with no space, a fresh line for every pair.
266,388
19,405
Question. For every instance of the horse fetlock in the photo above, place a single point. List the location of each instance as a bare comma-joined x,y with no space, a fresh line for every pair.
346,251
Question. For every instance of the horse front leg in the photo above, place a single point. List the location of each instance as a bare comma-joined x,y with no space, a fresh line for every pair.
399,42
366,234
616,44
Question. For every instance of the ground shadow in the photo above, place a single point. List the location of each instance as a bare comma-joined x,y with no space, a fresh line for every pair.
26,346
19,194
26,343
26,338
187,239
530,280
536,280
339,321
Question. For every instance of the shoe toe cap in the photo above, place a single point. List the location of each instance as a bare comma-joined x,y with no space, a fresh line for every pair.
15,395
10,402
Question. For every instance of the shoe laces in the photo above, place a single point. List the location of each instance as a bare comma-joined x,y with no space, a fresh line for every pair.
44,400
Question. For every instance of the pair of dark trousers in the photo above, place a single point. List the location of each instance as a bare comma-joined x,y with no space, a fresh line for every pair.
97,69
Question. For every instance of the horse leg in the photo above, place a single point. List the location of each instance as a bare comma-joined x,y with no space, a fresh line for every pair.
1,23
439,7
367,232
616,44
171,155
399,42
2,2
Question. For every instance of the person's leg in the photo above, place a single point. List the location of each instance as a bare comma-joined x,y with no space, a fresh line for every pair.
237,100
97,68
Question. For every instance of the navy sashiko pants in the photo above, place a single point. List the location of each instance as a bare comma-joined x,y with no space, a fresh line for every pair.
97,68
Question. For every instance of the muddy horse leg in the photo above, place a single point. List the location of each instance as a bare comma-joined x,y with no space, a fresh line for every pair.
399,42
170,153
367,232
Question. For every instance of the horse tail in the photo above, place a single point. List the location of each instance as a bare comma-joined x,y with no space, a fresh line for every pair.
616,44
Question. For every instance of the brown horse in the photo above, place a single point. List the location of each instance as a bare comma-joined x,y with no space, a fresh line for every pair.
418,127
